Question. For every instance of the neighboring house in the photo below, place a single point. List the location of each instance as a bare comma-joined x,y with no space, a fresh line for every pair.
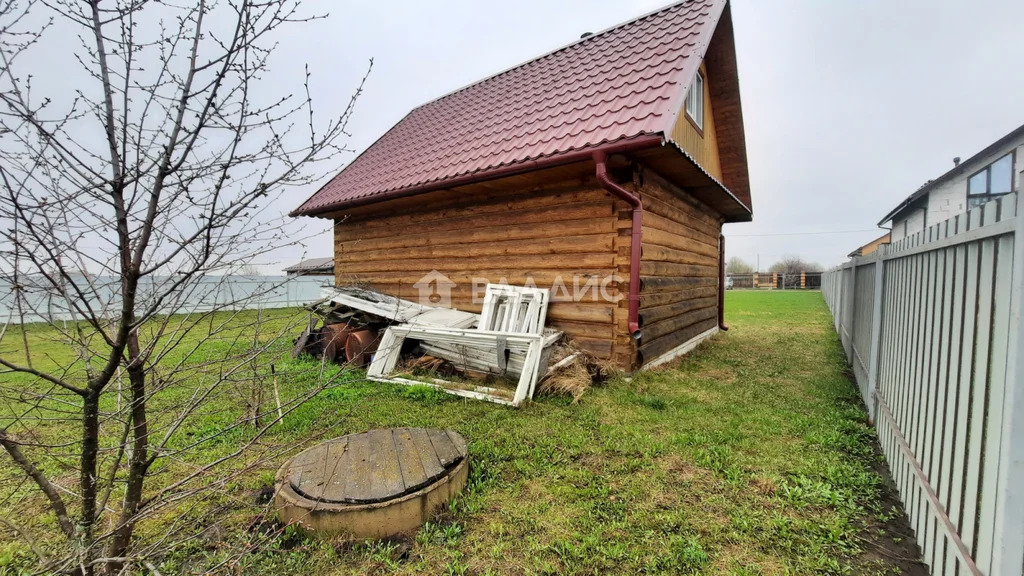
554,173
975,181
312,267
871,246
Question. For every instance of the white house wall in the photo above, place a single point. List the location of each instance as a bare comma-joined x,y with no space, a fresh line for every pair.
914,220
950,198
947,200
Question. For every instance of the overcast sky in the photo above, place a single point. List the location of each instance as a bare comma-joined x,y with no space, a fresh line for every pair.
849,106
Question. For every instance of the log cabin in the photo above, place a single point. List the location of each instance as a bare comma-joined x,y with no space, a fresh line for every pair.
603,170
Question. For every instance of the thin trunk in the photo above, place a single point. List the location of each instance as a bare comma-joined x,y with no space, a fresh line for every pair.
88,472
56,502
18,295
139,461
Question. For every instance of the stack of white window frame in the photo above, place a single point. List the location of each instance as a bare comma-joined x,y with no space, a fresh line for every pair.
509,338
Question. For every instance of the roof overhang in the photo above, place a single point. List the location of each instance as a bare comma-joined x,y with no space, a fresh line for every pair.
664,157
912,202
674,164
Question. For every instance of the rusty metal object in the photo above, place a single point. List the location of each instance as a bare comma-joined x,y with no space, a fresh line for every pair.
360,346
334,338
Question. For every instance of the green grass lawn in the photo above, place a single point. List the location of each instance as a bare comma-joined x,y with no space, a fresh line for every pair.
749,456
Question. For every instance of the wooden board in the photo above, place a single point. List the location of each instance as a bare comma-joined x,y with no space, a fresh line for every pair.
375,466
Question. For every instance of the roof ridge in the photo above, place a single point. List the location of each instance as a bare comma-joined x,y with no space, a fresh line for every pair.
593,36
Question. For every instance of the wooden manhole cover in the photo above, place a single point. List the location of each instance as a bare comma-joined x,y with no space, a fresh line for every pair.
375,466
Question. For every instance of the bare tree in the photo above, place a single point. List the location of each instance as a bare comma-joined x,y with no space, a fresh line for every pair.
121,199
737,265
249,270
790,264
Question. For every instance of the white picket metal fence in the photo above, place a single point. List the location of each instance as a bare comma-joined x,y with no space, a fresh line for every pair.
41,302
931,326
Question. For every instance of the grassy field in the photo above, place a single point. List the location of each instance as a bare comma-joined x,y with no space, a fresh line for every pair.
749,456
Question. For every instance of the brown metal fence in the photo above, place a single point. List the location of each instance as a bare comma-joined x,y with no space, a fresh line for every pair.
774,281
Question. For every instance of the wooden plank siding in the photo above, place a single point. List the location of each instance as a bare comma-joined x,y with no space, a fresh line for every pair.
570,231
564,232
701,144
678,270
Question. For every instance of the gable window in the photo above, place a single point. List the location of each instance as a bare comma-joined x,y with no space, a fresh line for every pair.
991,181
695,101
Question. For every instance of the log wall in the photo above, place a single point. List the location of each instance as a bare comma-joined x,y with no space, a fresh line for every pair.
679,268
567,232
573,233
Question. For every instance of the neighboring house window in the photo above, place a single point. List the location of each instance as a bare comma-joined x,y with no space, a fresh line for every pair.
991,181
695,101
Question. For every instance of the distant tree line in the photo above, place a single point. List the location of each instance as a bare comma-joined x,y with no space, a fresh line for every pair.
788,264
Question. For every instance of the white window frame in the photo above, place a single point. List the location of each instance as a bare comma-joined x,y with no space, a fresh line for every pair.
695,101
979,198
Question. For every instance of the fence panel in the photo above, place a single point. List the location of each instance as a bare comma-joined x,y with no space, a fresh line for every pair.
40,302
931,326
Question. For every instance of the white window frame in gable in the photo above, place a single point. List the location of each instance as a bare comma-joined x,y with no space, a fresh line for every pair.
695,101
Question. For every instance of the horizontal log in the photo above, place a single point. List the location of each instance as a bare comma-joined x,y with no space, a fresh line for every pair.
541,278
653,316
656,222
486,233
601,331
470,263
671,212
679,207
592,243
447,204
655,299
656,348
658,329
599,348
672,269
581,312
382,227
673,240
655,253
650,284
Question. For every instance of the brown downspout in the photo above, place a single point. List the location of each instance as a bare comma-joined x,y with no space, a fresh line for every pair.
721,283
600,161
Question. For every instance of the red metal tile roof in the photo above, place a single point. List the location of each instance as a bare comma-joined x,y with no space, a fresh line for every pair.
625,82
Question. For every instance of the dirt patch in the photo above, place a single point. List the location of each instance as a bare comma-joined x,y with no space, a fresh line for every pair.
891,543
740,559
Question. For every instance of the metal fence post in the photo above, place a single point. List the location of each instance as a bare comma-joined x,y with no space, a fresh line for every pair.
1008,546
878,299
852,329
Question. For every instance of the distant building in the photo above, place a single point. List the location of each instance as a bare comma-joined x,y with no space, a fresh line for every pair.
975,181
312,267
870,246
